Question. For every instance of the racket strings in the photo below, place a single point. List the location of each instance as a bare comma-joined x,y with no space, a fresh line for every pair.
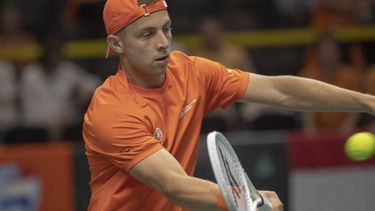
233,177
230,177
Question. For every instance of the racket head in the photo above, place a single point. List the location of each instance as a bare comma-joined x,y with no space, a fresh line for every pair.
230,176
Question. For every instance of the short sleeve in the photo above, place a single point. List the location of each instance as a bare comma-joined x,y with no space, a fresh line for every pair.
122,139
223,86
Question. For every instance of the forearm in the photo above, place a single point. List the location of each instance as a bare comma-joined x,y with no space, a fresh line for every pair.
311,95
193,193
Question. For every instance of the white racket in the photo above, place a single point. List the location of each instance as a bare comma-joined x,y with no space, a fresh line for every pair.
238,191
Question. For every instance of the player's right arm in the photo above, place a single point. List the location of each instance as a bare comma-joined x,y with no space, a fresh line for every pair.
162,172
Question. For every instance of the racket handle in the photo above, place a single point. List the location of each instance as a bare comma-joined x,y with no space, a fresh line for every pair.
267,206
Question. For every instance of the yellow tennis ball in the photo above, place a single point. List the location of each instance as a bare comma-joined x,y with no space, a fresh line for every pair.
360,146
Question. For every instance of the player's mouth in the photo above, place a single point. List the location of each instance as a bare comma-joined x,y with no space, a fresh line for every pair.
162,60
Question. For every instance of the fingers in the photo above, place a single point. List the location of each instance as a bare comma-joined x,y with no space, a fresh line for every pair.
277,205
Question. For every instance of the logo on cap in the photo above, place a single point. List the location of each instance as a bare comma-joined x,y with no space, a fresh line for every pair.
145,3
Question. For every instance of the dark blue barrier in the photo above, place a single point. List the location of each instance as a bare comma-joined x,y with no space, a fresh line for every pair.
81,176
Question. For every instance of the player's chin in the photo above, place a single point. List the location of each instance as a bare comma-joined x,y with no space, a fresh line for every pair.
161,66
159,69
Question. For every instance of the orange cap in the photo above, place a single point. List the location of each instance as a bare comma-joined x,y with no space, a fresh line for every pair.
117,14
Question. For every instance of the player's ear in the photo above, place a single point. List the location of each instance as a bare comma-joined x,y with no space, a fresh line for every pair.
115,43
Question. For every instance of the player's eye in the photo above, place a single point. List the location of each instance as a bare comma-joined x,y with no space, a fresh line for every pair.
146,34
167,29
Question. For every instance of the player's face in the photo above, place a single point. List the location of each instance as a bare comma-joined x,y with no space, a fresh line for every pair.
146,47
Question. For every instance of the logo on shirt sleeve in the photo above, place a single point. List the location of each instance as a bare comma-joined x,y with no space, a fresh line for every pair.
158,134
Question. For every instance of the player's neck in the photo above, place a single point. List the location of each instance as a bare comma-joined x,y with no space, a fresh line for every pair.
146,81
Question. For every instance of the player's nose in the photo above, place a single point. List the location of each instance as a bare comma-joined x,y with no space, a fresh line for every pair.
162,41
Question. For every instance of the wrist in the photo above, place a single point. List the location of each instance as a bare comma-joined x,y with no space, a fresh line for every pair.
221,202
369,103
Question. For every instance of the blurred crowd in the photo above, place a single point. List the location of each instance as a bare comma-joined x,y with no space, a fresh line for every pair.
44,98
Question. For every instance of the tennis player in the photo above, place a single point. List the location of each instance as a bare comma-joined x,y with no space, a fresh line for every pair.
142,127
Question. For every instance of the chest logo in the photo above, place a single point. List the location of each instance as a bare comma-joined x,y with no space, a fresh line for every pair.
187,107
158,134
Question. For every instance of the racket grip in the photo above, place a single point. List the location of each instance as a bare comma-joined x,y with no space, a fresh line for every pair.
267,206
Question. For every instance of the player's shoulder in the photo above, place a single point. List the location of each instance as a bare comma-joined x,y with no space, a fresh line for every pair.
111,98
184,63
181,57
178,58
108,111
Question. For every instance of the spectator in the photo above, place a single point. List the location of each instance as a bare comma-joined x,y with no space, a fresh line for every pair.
12,35
327,60
329,68
331,14
214,47
8,90
12,30
54,91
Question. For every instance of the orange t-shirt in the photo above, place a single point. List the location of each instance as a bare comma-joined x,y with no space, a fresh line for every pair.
124,124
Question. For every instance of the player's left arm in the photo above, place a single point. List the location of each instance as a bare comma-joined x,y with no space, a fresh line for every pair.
303,94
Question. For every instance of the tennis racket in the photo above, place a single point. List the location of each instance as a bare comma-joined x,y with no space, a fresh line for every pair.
238,191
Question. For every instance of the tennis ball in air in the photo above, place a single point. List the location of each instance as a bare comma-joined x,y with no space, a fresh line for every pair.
360,146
